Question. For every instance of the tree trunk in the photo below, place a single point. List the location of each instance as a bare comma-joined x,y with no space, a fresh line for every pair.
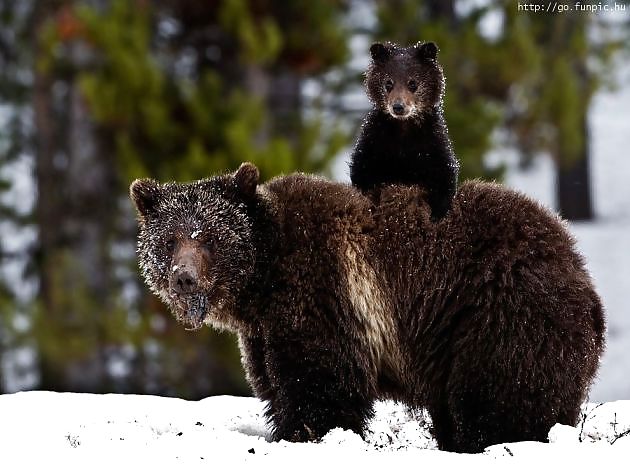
285,103
574,200
573,173
443,10
74,216
49,183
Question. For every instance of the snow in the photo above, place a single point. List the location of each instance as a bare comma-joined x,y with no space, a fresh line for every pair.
40,429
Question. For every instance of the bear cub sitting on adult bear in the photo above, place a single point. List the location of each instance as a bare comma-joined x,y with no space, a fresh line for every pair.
487,318
404,139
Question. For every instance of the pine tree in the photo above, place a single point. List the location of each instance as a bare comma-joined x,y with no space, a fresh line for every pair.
573,63
172,90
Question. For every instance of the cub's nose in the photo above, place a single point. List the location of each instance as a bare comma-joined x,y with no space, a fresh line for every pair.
398,108
183,282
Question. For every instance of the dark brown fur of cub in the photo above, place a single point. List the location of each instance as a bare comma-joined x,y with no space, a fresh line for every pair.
404,138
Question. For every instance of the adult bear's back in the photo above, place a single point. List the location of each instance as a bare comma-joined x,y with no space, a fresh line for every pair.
504,323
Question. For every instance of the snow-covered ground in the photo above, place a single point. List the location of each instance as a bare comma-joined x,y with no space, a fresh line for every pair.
53,431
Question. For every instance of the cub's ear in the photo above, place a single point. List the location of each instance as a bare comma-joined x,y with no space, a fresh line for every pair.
379,52
246,179
145,194
427,50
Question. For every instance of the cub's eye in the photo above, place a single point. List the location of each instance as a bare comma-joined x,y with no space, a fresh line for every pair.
389,85
412,85
170,245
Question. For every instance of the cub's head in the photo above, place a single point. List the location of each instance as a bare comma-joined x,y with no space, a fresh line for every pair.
195,243
404,82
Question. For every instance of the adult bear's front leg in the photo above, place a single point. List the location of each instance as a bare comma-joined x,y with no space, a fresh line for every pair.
252,348
318,385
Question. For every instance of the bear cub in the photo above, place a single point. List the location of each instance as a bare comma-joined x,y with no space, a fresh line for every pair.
404,139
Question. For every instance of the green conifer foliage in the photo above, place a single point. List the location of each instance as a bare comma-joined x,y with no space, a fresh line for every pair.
176,90
177,125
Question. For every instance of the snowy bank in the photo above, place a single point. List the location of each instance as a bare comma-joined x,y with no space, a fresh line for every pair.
79,431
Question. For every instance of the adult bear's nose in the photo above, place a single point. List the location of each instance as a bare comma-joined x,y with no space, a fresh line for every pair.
398,108
183,282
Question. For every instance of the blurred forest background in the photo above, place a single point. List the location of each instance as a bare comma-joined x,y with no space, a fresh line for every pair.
95,93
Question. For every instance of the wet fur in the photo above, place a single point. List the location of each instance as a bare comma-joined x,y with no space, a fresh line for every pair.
487,318
411,151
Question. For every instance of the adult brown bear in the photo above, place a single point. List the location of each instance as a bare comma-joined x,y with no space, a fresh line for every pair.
487,318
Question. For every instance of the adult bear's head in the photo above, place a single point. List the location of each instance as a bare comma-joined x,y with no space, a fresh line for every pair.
195,243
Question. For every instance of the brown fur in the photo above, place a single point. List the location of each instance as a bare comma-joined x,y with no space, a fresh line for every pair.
404,139
411,77
487,318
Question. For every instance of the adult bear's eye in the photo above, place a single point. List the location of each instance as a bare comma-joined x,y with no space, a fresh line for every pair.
170,245
389,85
412,85
211,243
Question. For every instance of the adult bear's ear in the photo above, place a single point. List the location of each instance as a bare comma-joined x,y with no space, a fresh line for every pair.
145,194
379,52
246,179
427,50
